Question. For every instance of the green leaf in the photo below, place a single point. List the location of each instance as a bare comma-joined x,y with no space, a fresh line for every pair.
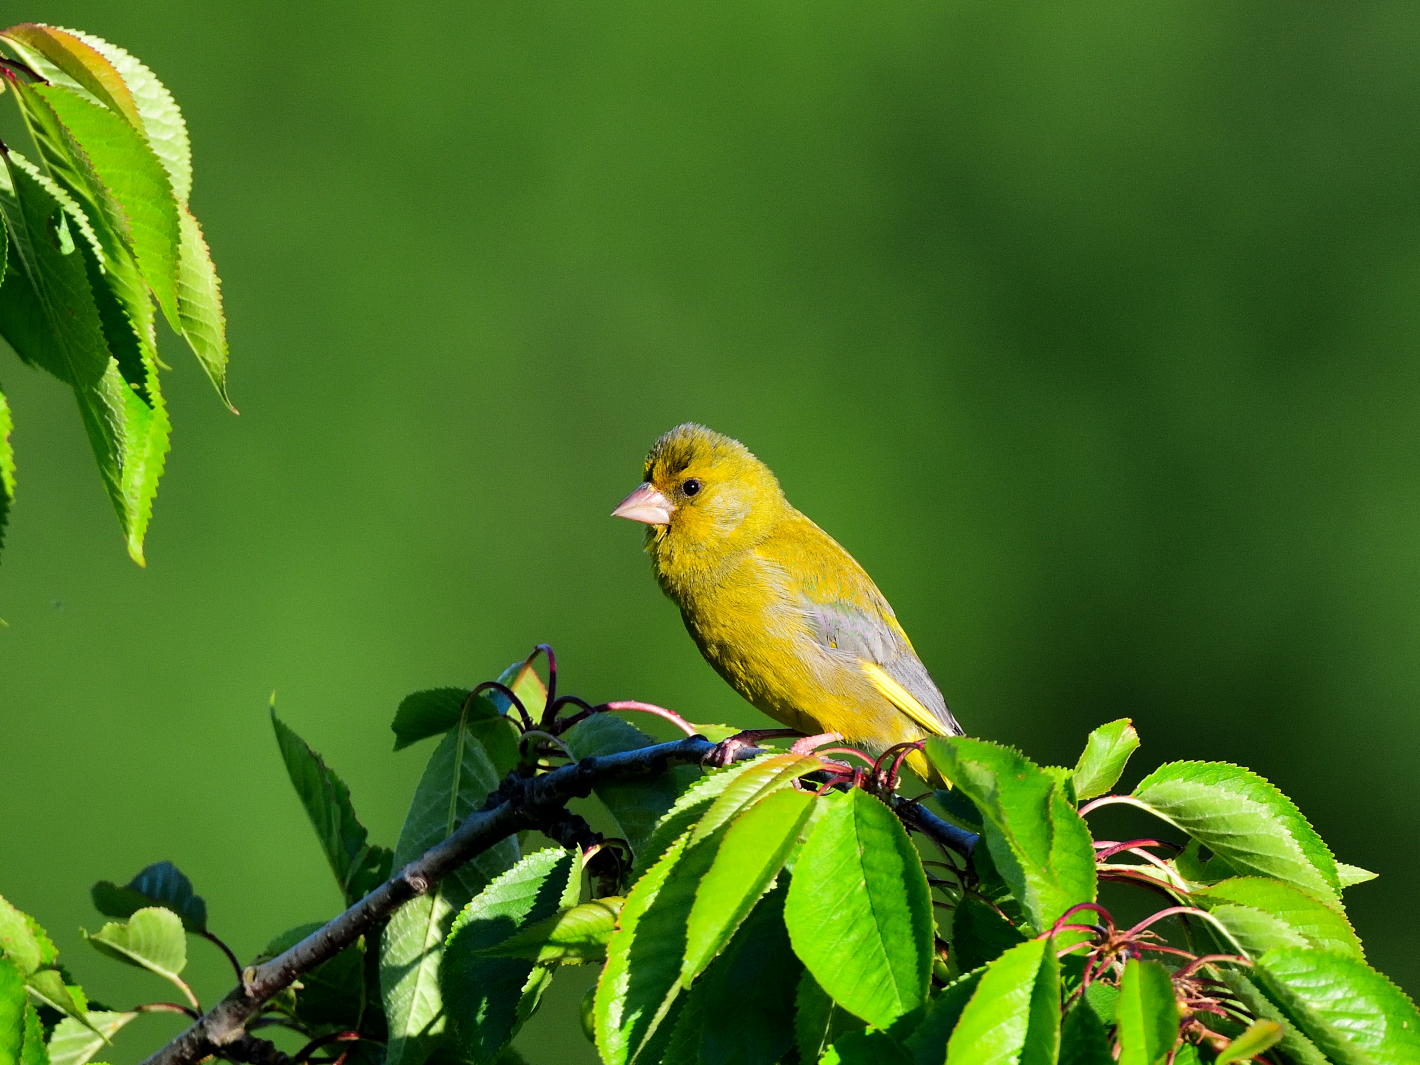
1353,1014
7,453
868,1048
1146,1015
749,859
199,296
456,782
572,936
72,1043
1350,875
1036,839
1254,932
53,317
640,985
980,934
763,776
137,197
435,711
1313,922
47,986
23,941
33,1052
483,991
1260,1037
1083,1040
151,939
1103,760
160,884
689,808
13,1005
1299,1050
927,1040
859,910
818,1020
1014,1014
1244,820
752,982
358,867
334,992
635,804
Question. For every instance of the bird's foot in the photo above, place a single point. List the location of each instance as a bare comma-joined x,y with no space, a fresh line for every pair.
808,743
724,752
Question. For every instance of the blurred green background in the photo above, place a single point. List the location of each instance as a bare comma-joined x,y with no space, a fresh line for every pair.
1091,332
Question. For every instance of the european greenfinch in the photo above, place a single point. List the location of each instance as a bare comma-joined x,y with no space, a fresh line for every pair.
775,605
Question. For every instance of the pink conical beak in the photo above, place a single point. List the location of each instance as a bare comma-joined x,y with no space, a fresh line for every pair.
645,505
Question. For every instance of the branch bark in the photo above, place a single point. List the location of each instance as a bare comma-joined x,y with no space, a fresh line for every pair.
519,803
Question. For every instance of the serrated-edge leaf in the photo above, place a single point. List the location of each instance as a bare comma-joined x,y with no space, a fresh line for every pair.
1103,760
151,939
688,808
1351,875
1008,1018
199,303
64,58
859,911
7,425
21,941
1317,923
434,711
1259,1037
71,1043
1297,1047
1035,837
1207,799
764,776
818,1020
13,1005
34,1052
636,804
750,856
1353,1014
572,936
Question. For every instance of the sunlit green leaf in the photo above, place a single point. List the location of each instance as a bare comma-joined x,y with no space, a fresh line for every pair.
572,936
1103,760
1014,1014
13,1004
1243,819
750,857
1318,924
1146,1015
1259,1037
63,57
23,941
859,911
688,809
1350,875
33,1052
7,453
764,775
151,939
456,782
1037,841
434,712
199,296
1299,1050
1353,1014
71,1043
160,884
47,987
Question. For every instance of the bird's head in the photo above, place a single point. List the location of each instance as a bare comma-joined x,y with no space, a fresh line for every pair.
703,495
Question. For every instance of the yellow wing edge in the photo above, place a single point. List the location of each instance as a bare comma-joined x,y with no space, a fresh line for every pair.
903,699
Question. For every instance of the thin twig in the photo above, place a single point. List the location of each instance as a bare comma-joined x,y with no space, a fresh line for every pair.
236,965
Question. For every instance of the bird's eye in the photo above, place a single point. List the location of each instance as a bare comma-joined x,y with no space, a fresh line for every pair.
690,487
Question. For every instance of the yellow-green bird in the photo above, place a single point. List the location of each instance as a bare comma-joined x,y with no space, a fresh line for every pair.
774,603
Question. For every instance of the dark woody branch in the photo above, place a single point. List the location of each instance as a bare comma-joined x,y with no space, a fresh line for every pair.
519,803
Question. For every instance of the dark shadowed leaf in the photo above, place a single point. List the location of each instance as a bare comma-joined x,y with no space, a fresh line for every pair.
1037,841
752,983
483,992
868,1048
818,1020
1146,1015
927,1039
636,804
455,783
1244,820
334,992
160,884
750,857
1103,760
1353,1014
357,866
859,911
434,712
1014,1014
980,934
1083,1039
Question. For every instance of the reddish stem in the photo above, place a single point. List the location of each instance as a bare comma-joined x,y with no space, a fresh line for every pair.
631,705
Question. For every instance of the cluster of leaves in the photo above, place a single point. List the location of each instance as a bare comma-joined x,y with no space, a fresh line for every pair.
789,909
95,229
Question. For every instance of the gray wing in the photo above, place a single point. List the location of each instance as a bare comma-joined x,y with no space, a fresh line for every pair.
845,629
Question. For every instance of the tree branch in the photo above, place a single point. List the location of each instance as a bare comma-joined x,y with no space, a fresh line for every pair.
519,803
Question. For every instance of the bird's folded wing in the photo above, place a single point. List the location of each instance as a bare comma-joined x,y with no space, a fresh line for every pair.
886,658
